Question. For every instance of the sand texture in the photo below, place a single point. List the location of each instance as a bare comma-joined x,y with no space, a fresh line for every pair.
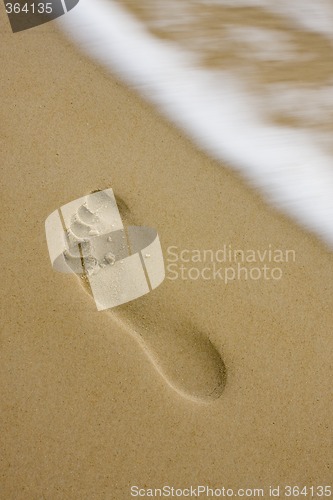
239,390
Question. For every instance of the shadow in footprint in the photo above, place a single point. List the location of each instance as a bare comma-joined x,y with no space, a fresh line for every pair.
184,356
181,353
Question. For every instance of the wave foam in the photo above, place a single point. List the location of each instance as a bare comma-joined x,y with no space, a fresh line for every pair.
215,109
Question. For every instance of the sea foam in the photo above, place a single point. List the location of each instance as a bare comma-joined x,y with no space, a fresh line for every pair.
292,166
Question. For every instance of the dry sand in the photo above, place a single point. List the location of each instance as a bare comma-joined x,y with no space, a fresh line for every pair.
84,413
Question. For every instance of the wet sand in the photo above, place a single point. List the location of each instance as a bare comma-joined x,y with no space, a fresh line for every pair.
84,413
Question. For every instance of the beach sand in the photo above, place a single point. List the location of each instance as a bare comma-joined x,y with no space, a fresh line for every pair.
84,413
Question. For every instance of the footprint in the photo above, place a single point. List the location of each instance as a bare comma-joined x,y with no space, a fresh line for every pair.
180,352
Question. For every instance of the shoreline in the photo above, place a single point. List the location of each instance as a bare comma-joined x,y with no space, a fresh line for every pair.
85,413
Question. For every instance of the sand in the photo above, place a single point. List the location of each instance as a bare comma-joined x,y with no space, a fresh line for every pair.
84,411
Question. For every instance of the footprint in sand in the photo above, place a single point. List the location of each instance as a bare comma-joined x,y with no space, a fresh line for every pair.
180,352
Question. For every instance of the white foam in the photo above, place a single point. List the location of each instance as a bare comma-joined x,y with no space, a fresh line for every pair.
216,110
